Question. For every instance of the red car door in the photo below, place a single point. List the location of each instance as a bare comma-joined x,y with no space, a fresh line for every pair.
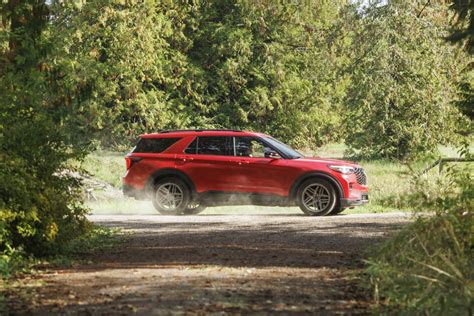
258,173
210,162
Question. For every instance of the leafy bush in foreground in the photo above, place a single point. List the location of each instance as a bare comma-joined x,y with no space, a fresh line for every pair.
428,268
40,210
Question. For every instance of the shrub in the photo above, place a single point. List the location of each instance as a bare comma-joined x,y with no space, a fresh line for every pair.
40,209
428,268
38,214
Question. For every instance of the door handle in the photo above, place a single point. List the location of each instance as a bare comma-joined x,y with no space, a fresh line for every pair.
240,162
185,159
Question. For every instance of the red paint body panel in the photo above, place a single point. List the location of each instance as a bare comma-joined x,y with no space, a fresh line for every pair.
235,173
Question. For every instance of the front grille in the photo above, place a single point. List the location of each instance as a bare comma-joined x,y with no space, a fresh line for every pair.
360,176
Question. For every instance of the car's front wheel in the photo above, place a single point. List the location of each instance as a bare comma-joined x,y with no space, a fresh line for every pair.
337,210
171,196
316,197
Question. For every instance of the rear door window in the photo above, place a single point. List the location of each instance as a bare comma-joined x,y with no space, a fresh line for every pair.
154,145
212,145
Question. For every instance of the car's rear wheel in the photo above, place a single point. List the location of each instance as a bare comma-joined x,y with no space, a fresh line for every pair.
316,197
171,196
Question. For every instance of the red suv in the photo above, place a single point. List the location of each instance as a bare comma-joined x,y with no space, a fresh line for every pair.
183,171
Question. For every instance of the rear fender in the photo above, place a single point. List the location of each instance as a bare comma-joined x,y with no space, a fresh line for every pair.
165,173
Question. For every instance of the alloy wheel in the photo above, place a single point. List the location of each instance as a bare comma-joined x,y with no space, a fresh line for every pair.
316,197
169,196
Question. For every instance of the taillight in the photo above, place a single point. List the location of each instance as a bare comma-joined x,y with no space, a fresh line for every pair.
130,161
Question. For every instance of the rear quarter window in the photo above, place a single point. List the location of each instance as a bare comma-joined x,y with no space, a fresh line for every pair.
154,145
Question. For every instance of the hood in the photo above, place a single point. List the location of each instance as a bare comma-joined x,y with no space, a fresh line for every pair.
328,161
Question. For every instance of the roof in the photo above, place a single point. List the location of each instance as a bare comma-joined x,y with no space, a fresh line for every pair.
200,132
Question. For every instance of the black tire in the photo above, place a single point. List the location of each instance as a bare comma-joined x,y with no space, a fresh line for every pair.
194,208
338,209
171,184
324,200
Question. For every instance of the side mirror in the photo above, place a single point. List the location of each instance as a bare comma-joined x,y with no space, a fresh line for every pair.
271,154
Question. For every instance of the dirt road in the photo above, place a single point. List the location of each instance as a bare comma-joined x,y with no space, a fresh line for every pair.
278,264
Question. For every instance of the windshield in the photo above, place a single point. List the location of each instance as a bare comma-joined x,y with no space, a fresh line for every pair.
283,148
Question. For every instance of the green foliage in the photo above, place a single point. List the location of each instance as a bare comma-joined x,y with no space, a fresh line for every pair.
132,67
272,67
39,205
77,73
12,261
94,240
429,266
400,101
120,65
462,33
463,27
146,66
466,98
106,166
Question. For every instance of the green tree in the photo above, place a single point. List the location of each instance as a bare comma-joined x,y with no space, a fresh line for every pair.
272,67
462,33
400,100
146,66
39,208
123,67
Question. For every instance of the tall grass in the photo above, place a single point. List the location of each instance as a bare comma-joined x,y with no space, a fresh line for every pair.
428,268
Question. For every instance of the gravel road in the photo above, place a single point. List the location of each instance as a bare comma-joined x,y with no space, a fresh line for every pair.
208,264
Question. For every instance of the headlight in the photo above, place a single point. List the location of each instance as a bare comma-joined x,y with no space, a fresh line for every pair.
342,169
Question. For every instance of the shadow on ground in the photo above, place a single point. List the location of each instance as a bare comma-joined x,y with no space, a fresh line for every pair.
303,244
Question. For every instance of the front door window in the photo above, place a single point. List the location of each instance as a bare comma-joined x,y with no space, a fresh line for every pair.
251,147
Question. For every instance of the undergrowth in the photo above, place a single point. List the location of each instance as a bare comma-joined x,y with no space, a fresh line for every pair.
17,261
96,239
428,268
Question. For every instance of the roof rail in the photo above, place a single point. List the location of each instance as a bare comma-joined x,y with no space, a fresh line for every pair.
198,130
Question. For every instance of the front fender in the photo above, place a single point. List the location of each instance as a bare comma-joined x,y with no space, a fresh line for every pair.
316,174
